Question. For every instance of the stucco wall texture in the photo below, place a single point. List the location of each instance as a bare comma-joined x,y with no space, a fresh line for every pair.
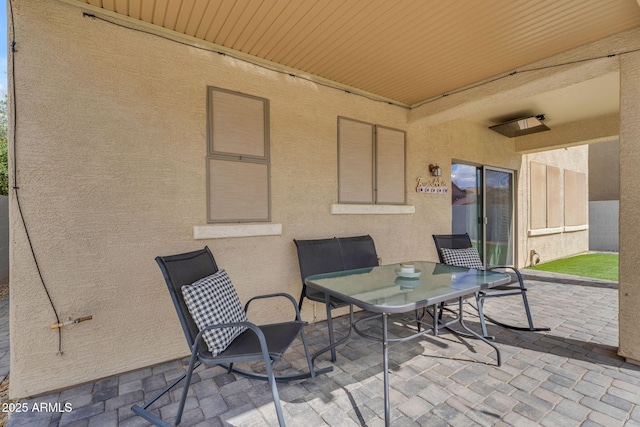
555,245
111,146
604,168
629,287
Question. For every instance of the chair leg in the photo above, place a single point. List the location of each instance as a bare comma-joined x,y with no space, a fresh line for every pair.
332,342
526,305
268,367
306,353
274,392
527,310
144,413
270,376
187,382
525,301
523,292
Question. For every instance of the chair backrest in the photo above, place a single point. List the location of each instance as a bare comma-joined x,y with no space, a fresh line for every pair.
335,254
451,241
358,252
184,269
319,256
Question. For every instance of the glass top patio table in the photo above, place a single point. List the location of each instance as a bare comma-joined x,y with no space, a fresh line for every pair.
382,290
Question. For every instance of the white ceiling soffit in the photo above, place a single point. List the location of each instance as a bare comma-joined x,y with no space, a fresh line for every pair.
403,50
585,100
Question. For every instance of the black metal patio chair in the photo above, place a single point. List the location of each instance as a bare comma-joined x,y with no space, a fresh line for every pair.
220,333
456,249
358,252
329,255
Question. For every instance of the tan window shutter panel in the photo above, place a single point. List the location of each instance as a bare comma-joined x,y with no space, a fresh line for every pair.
238,188
355,161
538,196
575,198
554,197
238,124
238,191
390,165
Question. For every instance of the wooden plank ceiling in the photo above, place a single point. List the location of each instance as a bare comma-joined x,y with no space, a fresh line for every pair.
404,50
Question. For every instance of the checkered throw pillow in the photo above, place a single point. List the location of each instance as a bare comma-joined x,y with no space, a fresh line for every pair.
213,301
467,257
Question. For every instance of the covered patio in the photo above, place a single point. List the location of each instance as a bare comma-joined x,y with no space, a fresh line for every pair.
117,157
568,376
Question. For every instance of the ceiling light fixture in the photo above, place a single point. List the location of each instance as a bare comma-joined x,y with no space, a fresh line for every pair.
523,126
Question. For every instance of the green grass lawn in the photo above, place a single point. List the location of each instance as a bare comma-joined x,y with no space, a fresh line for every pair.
596,265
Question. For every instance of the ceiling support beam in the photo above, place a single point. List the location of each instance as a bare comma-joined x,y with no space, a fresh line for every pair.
548,76
588,131
629,283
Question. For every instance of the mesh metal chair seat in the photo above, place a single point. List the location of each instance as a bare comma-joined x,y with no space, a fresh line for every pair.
266,343
515,288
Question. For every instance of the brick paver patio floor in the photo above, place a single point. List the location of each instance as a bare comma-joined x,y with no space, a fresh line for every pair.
569,376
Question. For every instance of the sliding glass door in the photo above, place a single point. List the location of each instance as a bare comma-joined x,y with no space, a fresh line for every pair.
466,202
482,202
499,212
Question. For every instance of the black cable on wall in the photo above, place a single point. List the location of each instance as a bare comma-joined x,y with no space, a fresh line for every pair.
16,188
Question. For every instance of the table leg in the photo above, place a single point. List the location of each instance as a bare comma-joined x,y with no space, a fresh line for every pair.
385,368
495,347
327,298
332,342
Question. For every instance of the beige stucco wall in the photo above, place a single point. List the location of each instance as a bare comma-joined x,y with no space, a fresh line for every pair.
604,171
564,243
629,282
111,145
465,142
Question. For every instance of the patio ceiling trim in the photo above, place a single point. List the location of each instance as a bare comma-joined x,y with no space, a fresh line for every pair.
138,25
580,64
517,85
405,51
588,131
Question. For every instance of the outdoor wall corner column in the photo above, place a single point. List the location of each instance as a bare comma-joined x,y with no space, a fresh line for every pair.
629,282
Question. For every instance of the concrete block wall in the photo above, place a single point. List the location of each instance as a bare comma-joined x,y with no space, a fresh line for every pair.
603,225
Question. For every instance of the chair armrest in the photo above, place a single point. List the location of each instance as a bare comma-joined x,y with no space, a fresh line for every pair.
515,270
254,328
280,294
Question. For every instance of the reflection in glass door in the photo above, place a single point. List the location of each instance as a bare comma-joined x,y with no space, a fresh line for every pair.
482,205
466,202
498,208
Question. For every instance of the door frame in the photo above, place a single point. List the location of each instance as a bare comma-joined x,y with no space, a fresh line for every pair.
481,172
513,231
